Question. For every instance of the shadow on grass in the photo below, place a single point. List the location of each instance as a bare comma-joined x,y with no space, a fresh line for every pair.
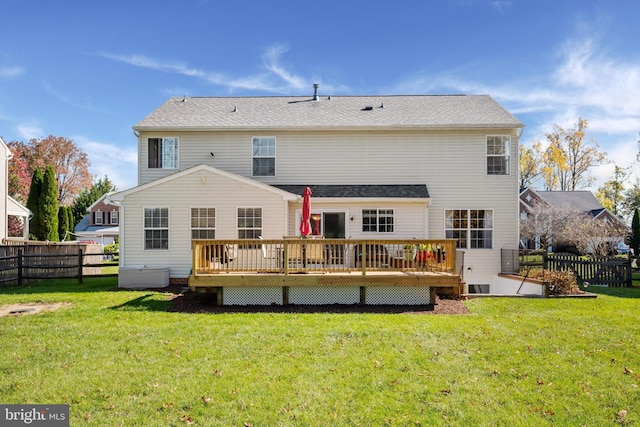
148,302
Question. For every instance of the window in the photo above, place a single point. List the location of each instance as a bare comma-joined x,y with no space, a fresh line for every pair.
156,228
163,153
498,149
473,228
249,223
203,223
98,217
264,156
113,217
378,220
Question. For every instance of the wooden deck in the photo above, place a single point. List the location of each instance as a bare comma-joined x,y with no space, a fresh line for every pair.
287,263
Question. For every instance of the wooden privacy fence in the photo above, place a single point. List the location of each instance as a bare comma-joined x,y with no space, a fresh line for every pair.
25,261
606,271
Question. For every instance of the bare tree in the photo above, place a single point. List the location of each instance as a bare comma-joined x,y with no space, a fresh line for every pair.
595,236
554,225
548,224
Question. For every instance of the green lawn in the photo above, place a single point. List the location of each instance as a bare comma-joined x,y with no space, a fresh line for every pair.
119,358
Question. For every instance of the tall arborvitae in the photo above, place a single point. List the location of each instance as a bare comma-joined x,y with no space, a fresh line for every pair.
635,232
33,204
63,223
49,206
72,223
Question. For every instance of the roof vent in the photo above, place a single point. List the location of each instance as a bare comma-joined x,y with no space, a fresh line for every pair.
315,91
367,108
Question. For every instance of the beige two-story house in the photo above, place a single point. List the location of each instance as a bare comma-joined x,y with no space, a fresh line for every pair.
379,167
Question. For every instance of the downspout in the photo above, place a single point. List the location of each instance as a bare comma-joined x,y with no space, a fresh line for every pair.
137,135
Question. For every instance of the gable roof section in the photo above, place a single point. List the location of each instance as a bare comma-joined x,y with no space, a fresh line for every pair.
337,112
120,195
100,199
583,201
409,191
16,208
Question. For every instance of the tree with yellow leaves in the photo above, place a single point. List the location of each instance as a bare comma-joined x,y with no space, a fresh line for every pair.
567,159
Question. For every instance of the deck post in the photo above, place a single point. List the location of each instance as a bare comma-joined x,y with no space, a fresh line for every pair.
363,295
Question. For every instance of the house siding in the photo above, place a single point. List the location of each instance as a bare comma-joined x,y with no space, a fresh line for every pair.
410,218
188,191
452,164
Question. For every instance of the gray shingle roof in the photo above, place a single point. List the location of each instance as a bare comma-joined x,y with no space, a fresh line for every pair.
409,191
583,201
341,112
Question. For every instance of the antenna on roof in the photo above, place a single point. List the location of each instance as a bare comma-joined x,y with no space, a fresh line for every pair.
315,91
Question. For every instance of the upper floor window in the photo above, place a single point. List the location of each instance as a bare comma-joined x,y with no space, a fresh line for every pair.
498,149
249,223
98,217
203,223
472,228
163,153
113,217
378,220
156,228
264,156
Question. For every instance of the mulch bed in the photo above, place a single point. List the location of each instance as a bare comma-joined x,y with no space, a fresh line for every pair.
192,302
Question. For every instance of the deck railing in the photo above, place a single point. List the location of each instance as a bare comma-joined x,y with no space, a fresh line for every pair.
297,255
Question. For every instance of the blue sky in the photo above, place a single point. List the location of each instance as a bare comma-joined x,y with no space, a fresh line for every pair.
90,70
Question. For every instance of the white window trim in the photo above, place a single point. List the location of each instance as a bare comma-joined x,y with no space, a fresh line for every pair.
177,162
144,229
191,228
274,157
507,154
248,207
377,231
98,217
469,229
111,215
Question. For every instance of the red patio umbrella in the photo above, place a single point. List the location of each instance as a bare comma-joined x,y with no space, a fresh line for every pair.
305,226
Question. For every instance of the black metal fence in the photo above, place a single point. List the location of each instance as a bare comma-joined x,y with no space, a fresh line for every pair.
605,271
613,271
29,261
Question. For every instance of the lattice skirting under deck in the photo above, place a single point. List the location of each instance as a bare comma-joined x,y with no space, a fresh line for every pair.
320,295
398,295
255,295
315,295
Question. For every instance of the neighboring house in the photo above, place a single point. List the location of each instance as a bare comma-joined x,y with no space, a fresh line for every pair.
100,224
8,205
380,167
580,201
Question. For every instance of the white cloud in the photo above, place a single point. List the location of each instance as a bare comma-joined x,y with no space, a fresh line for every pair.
67,99
274,78
117,162
501,6
11,72
29,131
